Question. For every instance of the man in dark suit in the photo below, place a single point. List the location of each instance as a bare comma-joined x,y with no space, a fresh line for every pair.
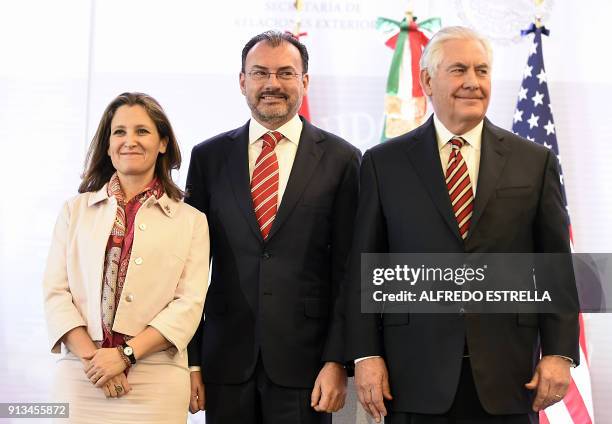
459,184
280,196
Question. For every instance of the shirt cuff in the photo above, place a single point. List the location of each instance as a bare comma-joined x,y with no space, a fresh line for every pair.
194,368
366,357
567,358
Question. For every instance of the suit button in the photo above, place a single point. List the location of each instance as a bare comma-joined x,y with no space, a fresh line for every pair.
461,311
129,297
138,261
266,255
142,226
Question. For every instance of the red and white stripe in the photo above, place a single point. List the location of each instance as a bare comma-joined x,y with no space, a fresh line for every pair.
577,405
264,183
460,187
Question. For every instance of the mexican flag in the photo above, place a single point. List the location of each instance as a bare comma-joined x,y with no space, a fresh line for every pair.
405,102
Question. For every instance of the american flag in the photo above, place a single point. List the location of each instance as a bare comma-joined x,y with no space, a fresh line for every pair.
533,120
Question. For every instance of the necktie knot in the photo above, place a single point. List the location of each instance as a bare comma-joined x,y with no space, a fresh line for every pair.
271,139
456,142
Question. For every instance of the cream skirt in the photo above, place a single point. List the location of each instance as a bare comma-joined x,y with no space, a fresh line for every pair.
160,392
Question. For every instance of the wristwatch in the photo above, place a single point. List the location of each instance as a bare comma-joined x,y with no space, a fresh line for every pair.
129,352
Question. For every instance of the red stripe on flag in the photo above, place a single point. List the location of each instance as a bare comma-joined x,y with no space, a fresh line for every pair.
583,339
392,42
543,418
416,41
305,109
575,405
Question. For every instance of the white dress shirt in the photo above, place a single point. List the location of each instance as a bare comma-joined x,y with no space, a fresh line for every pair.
285,149
470,150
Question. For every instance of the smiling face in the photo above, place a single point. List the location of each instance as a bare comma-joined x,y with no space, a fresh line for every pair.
134,142
273,102
460,87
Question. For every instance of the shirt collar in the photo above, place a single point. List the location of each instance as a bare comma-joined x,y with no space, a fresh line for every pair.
473,137
290,130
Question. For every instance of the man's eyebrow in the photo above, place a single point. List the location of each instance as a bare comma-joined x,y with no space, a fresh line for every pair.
457,65
282,68
286,68
462,65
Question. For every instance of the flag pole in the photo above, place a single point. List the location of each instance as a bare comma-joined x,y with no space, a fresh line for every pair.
297,33
299,6
538,17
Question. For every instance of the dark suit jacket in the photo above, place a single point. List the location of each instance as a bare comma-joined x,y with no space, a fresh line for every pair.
404,207
277,298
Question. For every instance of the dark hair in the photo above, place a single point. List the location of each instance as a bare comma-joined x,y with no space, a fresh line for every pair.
275,38
98,165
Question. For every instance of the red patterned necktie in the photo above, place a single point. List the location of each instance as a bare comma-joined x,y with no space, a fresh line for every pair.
264,184
459,187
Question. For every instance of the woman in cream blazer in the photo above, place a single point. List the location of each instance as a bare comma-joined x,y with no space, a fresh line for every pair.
126,275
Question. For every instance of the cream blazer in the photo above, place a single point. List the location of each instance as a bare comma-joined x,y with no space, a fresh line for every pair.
167,276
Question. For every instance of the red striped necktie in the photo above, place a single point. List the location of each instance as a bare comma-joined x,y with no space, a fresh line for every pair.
264,183
460,187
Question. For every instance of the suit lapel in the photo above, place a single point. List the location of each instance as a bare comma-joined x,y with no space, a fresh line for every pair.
492,160
307,158
238,168
425,158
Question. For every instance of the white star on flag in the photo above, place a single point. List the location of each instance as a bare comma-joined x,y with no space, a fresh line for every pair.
518,115
531,139
537,99
533,121
550,128
541,76
527,71
522,94
533,48
548,146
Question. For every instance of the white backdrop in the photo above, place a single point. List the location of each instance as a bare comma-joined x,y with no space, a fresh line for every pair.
63,61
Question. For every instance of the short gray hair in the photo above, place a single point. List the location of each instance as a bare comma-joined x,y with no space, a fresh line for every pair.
432,55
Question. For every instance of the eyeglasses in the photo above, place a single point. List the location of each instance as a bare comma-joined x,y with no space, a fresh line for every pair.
260,75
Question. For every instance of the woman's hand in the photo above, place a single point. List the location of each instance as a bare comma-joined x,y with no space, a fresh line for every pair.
105,364
117,386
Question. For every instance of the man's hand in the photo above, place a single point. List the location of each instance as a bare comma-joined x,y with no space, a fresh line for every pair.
329,390
197,402
104,365
372,382
117,386
551,379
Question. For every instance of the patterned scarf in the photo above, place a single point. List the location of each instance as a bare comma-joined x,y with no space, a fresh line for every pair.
118,251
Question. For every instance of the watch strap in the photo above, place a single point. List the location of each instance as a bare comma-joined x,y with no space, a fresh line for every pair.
130,356
124,357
